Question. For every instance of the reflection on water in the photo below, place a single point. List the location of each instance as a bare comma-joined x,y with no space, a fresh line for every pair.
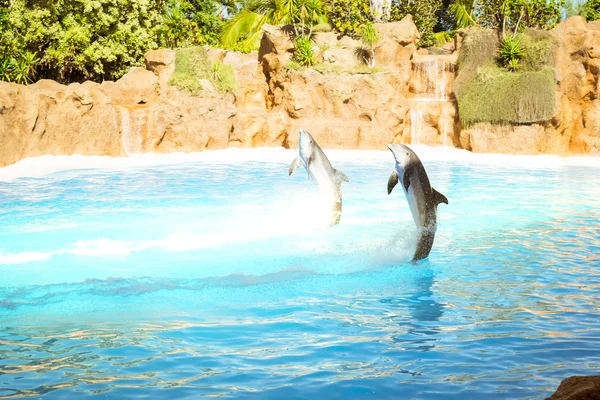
422,313
97,302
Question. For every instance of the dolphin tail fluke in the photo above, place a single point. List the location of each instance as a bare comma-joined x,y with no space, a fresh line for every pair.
392,182
295,164
438,197
340,176
424,244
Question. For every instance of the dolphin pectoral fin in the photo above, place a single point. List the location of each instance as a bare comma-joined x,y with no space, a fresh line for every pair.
340,176
393,181
295,164
438,197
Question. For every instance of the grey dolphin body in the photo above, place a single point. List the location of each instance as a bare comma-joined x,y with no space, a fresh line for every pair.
422,198
319,169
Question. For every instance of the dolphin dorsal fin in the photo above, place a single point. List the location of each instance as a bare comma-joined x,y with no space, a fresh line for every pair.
438,197
295,164
340,176
393,181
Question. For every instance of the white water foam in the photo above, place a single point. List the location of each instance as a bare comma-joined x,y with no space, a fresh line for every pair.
310,213
46,165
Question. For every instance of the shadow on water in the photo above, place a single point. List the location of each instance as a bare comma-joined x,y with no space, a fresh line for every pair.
422,312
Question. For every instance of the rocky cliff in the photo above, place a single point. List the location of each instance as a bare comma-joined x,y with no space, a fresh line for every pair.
407,98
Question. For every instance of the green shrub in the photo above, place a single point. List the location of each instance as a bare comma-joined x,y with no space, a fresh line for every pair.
538,46
511,51
223,77
192,65
324,27
540,14
84,39
486,92
499,96
19,70
591,10
347,16
303,52
479,48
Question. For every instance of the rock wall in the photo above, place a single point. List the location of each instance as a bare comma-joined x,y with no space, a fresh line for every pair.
575,129
344,105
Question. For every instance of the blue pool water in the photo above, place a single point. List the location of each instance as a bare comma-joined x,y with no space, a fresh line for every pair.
215,275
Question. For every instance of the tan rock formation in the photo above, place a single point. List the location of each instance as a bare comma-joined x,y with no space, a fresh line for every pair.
578,65
142,113
162,63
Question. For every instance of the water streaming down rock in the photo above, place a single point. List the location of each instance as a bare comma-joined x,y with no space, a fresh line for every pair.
131,133
381,9
432,109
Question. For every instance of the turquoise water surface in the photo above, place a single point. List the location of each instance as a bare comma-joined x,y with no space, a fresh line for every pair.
215,274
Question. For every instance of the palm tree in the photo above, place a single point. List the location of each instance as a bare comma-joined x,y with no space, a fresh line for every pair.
463,11
245,28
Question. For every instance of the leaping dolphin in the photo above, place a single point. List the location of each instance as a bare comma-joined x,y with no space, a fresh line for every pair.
422,198
319,169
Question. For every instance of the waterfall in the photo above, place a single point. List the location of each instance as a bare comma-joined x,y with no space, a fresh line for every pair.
416,122
381,9
445,124
131,138
431,80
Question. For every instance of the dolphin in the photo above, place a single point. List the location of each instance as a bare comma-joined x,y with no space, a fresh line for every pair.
422,198
328,179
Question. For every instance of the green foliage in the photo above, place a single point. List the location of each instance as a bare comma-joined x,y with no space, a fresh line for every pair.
20,70
479,48
192,65
245,27
498,96
83,39
511,51
189,22
463,12
441,38
591,10
507,14
223,77
322,27
348,16
303,53
487,92
369,37
425,14
538,46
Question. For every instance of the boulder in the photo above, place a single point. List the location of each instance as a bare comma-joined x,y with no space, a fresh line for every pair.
341,57
326,40
162,63
138,86
275,40
514,139
578,388
403,32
